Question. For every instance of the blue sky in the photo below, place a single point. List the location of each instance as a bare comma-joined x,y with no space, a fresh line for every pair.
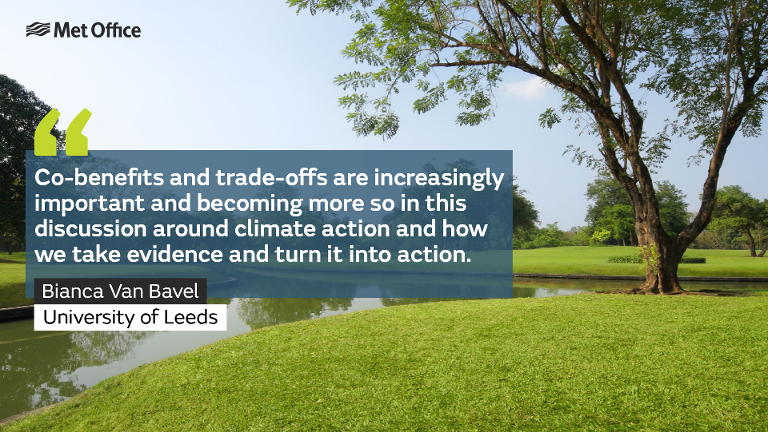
254,75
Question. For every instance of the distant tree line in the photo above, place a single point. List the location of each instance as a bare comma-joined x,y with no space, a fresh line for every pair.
610,220
739,221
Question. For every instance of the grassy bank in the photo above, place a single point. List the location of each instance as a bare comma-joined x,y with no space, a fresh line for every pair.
12,276
589,361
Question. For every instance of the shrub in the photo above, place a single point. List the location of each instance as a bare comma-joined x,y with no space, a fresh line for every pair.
693,260
637,259
626,259
599,236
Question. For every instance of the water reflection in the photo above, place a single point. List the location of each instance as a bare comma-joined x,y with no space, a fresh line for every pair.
35,368
29,373
264,312
259,283
386,302
96,348
42,368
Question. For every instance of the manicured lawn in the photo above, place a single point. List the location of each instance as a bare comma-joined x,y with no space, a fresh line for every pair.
593,260
594,362
16,257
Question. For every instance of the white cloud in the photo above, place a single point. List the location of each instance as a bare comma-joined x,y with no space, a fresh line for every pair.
529,89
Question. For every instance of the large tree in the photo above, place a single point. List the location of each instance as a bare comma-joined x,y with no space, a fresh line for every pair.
708,58
20,112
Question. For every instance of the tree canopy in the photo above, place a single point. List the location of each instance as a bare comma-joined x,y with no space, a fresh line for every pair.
707,58
738,211
20,112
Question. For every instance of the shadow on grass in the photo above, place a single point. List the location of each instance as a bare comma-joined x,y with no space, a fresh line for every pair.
702,292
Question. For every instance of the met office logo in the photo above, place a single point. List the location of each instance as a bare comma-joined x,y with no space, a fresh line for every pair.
96,30
38,29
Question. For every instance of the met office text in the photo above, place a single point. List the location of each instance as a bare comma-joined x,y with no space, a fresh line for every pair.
97,30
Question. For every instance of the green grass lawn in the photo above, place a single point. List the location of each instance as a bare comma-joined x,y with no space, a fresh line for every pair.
595,362
12,276
593,260
14,258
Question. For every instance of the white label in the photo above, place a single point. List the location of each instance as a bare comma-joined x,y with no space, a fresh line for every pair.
78,317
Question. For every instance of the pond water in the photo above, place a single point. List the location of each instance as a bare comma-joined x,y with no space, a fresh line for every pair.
42,368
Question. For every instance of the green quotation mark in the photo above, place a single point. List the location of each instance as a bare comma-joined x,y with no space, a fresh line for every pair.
76,143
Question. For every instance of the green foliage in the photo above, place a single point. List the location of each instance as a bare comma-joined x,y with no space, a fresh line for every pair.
549,236
707,58
673,210
524,213
610,208
20,112
580,236
605,191
650,255
600,236
619,220
678,48
403,40
715,68
742,217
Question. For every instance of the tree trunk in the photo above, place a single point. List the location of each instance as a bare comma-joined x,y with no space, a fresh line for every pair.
765,248
662,256
751,239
